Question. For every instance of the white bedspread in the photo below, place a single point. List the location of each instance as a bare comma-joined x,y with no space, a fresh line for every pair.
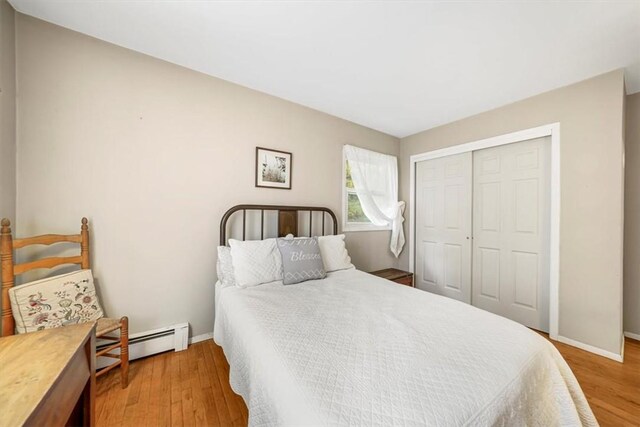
354,349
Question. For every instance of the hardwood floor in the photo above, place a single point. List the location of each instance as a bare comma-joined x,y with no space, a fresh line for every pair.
191,388
612,388
188,388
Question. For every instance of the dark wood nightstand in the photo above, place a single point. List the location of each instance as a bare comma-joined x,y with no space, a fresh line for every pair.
395,275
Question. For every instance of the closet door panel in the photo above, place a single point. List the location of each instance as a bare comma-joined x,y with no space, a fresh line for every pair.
511,222
443,226
487,282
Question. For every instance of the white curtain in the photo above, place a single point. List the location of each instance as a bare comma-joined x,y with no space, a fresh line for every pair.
375,180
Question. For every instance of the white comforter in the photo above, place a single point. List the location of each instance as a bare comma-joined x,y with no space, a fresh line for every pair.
354,349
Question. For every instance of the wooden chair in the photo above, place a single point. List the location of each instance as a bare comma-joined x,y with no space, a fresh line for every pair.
105,326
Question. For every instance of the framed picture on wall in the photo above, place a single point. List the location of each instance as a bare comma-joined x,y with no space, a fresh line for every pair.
273,168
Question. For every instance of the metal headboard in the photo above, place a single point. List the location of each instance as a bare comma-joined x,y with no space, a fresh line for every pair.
287,216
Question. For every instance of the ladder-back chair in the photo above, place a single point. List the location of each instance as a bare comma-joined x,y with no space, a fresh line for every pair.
105,326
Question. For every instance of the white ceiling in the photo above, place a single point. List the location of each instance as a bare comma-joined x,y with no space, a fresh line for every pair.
398,67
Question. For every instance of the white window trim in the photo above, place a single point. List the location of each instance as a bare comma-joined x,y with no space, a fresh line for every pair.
354,226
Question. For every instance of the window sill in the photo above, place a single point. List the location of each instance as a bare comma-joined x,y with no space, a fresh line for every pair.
348,228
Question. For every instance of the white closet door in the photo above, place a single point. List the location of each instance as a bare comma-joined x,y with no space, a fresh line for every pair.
443,226
511,202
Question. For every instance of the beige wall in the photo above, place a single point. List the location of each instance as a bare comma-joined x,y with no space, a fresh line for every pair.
7,112
591,116
154,154
632,217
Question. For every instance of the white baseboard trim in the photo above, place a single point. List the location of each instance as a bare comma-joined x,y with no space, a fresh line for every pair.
591,349
203,337
632,336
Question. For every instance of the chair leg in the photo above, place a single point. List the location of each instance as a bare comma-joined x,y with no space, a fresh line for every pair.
124,352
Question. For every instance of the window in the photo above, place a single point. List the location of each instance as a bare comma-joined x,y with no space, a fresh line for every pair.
370,194
354,218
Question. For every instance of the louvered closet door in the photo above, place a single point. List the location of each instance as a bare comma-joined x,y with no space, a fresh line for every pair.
443,226
511,205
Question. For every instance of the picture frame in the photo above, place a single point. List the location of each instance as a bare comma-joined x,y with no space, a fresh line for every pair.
273,168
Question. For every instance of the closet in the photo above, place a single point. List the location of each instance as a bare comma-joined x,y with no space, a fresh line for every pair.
482,229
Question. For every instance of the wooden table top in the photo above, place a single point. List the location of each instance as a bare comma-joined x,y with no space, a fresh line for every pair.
30,364
391,273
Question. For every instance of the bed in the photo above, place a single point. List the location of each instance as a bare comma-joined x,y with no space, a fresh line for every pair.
355,349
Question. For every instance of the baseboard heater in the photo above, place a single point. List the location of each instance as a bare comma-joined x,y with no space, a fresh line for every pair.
143,344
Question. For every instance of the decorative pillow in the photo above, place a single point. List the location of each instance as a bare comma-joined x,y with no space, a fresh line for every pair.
55,301
255,262
225,267
334,253
301,260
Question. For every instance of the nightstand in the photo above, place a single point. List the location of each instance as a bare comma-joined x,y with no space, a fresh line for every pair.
395,275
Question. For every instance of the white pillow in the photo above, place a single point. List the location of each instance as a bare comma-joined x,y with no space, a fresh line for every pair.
224,267
334,253
255,262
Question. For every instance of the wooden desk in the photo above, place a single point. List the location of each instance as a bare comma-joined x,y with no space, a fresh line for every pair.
48,377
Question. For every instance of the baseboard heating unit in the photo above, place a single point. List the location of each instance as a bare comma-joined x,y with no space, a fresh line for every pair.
143,344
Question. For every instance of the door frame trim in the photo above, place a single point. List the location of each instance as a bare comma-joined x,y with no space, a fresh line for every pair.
552,130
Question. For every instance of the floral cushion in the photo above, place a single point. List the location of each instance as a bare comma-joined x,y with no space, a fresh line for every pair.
55,301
